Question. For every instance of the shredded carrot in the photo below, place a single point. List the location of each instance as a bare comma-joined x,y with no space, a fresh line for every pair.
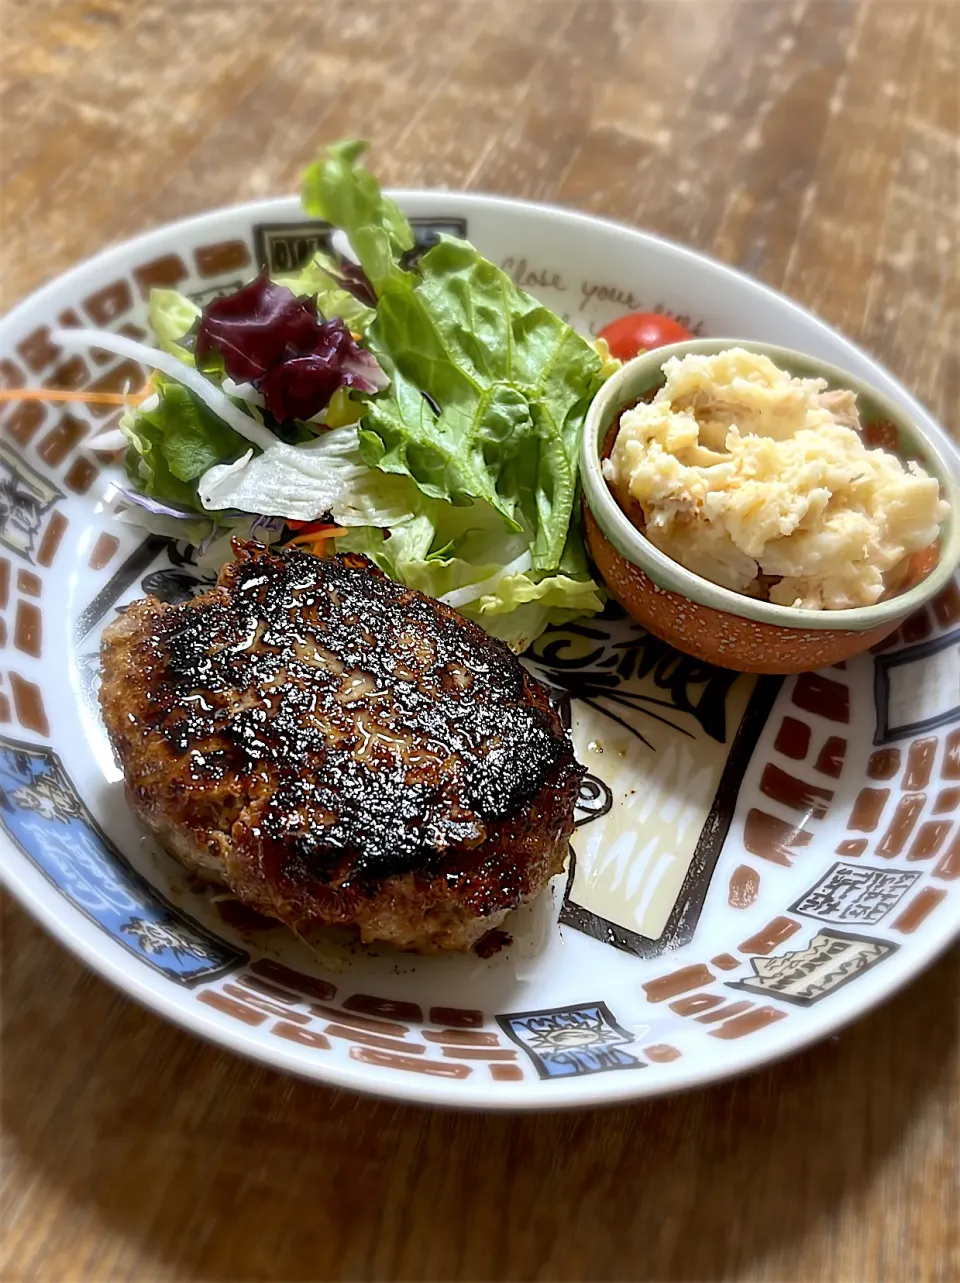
61,394
316,540
319,536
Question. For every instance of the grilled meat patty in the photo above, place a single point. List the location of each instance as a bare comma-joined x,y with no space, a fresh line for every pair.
337,748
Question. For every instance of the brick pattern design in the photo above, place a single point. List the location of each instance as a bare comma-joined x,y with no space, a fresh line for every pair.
727,1020
808,746
50,437
916,780
906,783
390,1034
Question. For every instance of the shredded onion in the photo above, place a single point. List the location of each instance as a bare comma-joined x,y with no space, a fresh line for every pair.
244,392
148,504
471,592
340,242
212,396
107,441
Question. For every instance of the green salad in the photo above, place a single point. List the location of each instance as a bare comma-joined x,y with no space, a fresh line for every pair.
421,409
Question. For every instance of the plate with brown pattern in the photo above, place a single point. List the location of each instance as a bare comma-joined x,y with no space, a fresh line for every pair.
756,861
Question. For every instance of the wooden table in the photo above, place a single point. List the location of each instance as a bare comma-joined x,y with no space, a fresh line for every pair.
813,144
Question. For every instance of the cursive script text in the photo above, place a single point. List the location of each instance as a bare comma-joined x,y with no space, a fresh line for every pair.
527,277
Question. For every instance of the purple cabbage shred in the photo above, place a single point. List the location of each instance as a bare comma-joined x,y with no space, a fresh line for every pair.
155,506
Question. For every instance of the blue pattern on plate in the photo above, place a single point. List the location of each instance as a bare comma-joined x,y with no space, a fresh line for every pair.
569,1041
42,813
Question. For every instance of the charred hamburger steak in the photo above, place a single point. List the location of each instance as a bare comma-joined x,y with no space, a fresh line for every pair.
337,748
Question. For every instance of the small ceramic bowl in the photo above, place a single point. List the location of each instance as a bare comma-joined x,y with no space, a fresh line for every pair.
716,624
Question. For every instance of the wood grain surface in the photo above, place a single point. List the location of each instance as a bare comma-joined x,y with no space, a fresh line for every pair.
814,145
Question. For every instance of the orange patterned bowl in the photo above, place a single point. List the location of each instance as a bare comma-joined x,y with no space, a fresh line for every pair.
716,624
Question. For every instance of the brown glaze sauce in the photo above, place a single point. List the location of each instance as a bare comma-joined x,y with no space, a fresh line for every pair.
492,943
381,728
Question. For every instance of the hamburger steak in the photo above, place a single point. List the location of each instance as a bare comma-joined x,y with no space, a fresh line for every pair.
336,748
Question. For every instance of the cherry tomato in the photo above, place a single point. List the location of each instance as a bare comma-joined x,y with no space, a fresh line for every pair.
639,332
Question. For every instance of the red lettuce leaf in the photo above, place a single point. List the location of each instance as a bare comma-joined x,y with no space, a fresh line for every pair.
352,278
269,337
300,386
254,327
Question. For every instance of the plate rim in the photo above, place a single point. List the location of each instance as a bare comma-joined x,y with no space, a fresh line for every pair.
66,925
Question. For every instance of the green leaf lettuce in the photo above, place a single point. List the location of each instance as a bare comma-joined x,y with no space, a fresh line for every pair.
173,439
317,279
171,316
488,394
347,195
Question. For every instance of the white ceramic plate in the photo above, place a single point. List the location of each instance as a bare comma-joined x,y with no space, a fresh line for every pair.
756,862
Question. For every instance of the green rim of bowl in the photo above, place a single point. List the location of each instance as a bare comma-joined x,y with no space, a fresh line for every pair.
639,375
